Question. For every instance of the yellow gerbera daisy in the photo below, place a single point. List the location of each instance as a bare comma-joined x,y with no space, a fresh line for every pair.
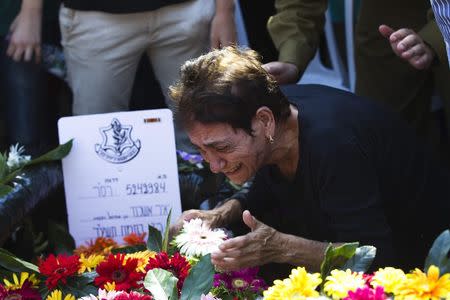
425,286
339,283
299,285
142,257
389,278
276,291
302,284
57,295
90,262
17,284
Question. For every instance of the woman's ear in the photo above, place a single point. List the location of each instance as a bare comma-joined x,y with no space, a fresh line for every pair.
266,119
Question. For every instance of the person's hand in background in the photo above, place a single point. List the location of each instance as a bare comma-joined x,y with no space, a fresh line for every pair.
409,46
25,33
284,73
223,27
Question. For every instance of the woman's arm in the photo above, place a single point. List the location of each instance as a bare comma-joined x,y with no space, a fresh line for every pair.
266,245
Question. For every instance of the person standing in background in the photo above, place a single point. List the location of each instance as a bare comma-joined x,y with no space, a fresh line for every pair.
383,72
295,30
104,40
23,82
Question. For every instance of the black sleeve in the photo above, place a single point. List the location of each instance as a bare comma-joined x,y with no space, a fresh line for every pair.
350,198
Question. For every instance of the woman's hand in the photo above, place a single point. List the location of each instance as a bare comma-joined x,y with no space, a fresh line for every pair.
258,247
223,27
217,217
25,31
209,217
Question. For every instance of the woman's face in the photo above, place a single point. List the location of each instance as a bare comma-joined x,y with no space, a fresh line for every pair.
230,151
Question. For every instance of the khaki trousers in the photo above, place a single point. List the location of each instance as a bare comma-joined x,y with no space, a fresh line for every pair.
102,50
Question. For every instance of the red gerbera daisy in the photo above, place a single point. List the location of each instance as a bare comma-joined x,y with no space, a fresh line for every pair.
119,270
133,296
177,265
58,269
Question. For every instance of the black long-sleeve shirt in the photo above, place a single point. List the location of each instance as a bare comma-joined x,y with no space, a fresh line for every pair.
362,175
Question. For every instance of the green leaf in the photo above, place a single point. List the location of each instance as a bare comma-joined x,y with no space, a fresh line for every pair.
3,165
361,261
154,241
165,241
80,285
5,190
439,253
162,284
56,154
11,176
60,240
129,249
10,262
200,279
336,257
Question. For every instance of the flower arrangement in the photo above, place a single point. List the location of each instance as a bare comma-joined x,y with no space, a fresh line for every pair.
349,282
134,270
181,269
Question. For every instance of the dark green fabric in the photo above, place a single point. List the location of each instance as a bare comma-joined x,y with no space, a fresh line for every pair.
10,8
384,76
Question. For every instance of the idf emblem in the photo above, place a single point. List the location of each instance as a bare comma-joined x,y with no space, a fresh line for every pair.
117,147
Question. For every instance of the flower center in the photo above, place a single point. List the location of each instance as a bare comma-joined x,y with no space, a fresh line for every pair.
239,283
60,270
118,275
203,237
13,297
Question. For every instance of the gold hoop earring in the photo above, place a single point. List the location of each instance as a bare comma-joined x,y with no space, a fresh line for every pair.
270,139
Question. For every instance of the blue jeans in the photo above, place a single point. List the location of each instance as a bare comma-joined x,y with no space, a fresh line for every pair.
23,88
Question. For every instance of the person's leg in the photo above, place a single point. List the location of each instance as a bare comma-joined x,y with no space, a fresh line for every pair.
102,52
23,92
182,33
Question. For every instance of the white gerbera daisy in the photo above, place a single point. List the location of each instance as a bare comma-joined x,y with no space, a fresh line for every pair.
15,157
196,239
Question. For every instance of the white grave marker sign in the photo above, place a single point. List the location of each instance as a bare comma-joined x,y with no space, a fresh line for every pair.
121,174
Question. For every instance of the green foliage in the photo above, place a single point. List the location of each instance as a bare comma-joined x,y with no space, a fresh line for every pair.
361,260
200,279
336,257
56,154
8,175
439,254
80,285
162,284
5,189
129,249
157,242
60,240
10,262
165,241
154,241
3,165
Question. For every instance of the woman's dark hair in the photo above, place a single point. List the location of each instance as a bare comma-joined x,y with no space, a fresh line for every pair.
226,86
